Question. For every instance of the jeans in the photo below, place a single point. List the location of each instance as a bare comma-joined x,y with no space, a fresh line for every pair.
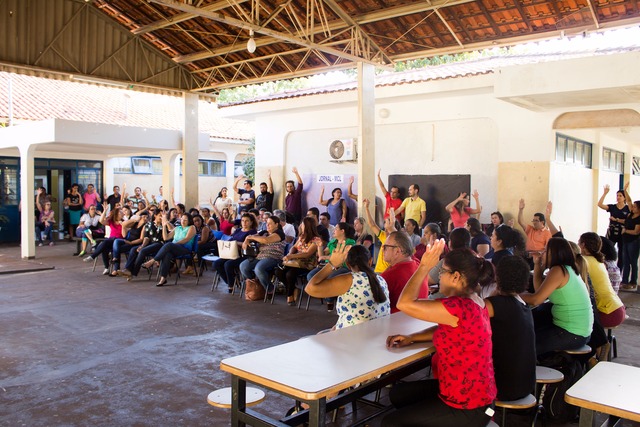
46,229
167,253
630,251
226,269
262,269
103,249
135,263
418,404
289,276
131,258
119,246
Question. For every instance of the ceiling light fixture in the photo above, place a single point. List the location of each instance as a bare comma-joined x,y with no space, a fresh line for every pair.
251,44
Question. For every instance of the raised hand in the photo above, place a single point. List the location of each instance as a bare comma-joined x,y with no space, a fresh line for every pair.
351,179
365,203
606,188
475,194
339,254
294,170
432,254
521,204
549,208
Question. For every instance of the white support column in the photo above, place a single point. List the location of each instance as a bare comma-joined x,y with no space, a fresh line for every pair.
366,133
231,162
28,206
169,174
190,151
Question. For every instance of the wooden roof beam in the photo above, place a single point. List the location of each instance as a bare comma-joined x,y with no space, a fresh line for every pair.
258,29
181,17
366,18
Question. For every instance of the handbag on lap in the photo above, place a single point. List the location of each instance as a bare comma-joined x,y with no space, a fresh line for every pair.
228,249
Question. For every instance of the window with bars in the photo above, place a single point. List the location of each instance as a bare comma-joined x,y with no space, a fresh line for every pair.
612,160
572,151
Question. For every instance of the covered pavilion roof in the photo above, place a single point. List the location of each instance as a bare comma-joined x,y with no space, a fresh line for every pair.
201,45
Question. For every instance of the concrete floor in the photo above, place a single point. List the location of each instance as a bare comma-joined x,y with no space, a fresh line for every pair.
83,349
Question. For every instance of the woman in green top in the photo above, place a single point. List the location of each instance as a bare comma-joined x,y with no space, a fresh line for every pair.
566,321
342,233
183,237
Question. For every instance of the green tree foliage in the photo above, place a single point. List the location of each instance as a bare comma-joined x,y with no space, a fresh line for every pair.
249,162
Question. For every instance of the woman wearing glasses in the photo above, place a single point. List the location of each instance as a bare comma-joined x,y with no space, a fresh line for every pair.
463,389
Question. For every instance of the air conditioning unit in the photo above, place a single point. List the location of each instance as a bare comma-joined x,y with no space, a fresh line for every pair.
343,150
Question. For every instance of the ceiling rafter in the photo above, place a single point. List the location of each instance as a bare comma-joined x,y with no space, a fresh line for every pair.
366,18
283,37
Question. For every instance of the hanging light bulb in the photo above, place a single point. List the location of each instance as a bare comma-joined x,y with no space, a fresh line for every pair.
251,44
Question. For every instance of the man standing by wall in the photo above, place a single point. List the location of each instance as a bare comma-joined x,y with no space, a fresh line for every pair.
264,200
247,194
293,200
413,206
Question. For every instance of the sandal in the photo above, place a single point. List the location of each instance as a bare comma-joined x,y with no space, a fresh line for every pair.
629,287
162,282
149,263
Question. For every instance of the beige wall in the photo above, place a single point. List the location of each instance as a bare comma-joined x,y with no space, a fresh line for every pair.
517,180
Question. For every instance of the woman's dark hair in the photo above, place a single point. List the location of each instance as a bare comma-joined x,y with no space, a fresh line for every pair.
476,270
499,215
510,238
193,217
593,245
459,238
360,257
194,211
416,228
128,209
559,252
475,229
349,231
189,218
310,229
273,218
512,275
169,213
620,192
252,220
608,249
164,205
434,228
333,192
637,203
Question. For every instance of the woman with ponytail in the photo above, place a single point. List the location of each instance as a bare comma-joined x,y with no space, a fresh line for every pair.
463,389
362,294
611,311
505,241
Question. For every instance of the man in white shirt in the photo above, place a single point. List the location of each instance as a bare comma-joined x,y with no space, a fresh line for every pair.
289,230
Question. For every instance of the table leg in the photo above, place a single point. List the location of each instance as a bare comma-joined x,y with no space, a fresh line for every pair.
587,417
317,412
238,400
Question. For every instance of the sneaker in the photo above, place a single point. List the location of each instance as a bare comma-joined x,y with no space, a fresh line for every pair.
88,259
40,244
51,244
105,272
94,243
629,287
81,253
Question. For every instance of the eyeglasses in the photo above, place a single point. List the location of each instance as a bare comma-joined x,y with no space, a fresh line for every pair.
441,270
388,246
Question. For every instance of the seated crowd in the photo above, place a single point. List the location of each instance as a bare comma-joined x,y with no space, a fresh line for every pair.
495,318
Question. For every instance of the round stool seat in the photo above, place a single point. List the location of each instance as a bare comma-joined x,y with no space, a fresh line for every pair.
222,397
528,401
546,375
210,258
585,349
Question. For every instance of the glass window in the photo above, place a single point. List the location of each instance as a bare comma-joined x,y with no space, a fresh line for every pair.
612,160
218,168
156,165
141,165
203,167
573,151
122,165
635,165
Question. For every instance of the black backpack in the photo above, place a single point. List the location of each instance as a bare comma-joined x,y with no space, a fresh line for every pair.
556,407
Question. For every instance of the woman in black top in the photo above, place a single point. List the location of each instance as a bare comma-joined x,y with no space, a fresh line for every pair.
513,333
630,245
133,238
152,241
505,241
617,214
